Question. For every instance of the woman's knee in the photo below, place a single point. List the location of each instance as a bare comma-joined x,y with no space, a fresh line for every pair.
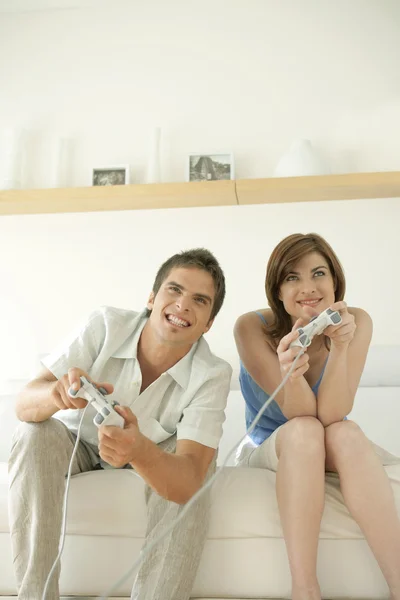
344,438
301,434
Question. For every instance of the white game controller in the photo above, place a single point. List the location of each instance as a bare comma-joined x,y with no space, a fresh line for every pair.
316,326
106,415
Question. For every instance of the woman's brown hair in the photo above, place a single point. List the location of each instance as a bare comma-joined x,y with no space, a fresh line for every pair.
282,261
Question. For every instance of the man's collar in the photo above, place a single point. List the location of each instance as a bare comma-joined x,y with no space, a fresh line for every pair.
180,371
129,347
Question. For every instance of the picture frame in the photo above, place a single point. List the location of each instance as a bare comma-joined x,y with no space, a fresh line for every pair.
110,175
214,166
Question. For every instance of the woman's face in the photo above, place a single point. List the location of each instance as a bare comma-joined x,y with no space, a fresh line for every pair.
308,289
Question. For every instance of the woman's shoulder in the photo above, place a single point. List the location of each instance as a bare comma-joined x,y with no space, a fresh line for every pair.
253,338
362,320
259,317
360,315
252,325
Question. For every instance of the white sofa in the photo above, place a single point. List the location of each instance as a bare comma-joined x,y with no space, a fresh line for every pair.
244,556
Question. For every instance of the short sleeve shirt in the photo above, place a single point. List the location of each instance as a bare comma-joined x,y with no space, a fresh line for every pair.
187,400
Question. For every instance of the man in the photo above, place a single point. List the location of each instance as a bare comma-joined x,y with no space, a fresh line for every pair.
172,392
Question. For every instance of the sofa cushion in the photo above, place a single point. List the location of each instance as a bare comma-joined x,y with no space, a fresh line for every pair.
244,505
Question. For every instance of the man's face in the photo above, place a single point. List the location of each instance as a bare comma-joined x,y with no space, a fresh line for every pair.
181,309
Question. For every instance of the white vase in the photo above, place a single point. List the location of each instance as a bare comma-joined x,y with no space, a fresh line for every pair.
62,163
302,159
154,161
11,158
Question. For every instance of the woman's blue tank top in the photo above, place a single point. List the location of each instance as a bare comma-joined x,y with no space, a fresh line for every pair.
255,398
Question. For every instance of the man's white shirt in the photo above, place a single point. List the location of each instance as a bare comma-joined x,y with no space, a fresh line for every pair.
188,400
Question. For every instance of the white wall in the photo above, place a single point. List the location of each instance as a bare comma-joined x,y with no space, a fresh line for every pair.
244,76
247,76
57,268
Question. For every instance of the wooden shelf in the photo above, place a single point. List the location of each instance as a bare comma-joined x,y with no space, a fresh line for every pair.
351,186
118,197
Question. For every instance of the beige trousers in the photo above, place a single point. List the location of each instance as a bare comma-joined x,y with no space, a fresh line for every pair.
38,465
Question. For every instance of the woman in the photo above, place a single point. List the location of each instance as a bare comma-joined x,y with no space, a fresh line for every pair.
304,431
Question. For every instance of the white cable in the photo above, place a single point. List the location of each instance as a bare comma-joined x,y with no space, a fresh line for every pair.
146,549
65,506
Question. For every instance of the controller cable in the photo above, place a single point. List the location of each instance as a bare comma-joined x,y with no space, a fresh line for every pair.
147,548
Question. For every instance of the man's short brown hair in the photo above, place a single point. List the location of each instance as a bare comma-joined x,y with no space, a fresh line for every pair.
197,258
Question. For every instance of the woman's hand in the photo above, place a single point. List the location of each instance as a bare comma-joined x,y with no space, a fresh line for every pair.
286,354
342,334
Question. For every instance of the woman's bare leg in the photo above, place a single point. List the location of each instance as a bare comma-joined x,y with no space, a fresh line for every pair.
300,492
368,495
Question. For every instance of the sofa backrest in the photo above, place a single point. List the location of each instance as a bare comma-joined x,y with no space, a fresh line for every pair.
376,407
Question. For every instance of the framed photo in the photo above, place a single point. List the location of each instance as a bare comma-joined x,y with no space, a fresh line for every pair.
116,175
210,167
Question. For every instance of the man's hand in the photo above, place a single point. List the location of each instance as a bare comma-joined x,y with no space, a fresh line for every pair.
117,446
59,391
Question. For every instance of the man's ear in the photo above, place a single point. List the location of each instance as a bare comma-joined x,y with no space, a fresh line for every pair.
208,326
150,301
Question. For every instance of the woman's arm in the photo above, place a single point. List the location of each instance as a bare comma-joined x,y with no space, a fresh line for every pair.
349,347
268,369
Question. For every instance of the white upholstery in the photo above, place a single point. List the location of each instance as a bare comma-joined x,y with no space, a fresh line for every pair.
245,555
382,368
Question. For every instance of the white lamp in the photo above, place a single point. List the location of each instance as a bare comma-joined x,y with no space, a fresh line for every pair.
301,159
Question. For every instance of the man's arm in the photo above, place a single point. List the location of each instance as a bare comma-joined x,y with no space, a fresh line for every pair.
35,402
176,477
42,397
